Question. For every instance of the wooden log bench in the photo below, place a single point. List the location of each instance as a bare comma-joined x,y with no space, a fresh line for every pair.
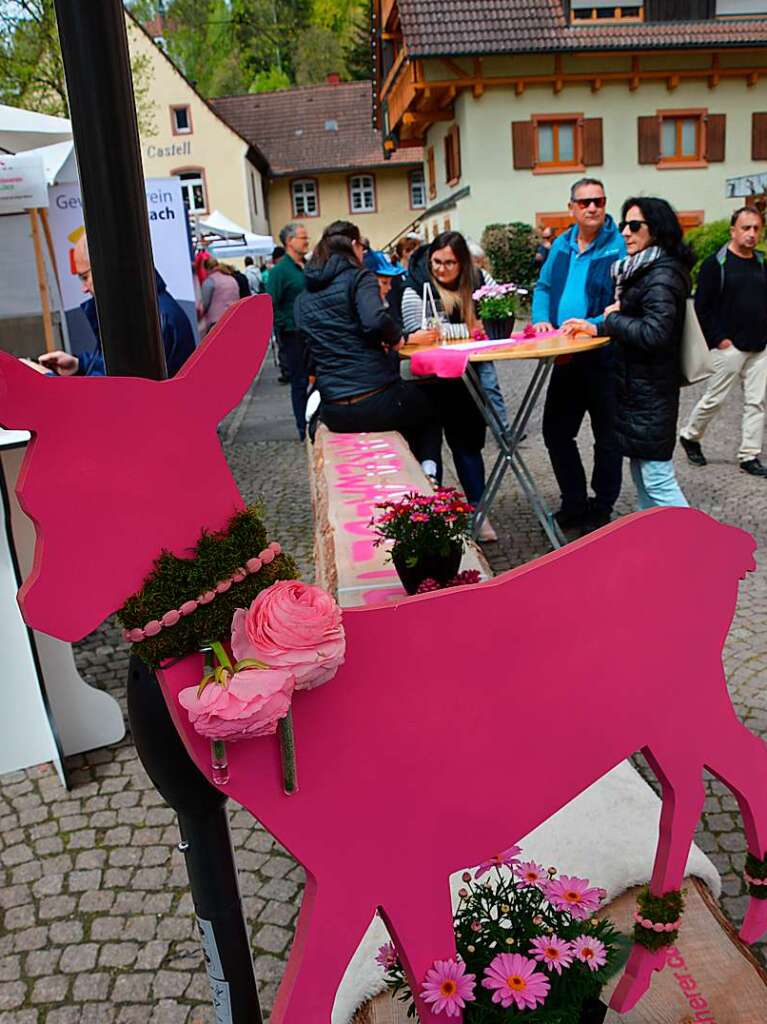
348,474
711,976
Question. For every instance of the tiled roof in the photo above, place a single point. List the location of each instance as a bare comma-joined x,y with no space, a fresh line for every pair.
315,128
434,28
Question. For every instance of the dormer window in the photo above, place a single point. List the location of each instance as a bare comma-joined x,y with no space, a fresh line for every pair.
588,11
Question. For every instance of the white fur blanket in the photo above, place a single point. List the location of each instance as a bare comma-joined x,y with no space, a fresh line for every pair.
607,834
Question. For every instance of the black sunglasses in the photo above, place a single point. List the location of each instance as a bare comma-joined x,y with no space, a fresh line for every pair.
598,201
632,225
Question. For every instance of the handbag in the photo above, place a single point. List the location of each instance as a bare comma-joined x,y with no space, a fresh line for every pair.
695,356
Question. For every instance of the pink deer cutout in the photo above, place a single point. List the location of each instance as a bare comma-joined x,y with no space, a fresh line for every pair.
438,712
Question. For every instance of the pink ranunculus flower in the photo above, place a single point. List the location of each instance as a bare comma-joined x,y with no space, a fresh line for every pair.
251,705
295,626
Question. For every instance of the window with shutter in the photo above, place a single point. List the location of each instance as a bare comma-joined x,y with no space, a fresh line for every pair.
431,171
759,136
558,141
683,138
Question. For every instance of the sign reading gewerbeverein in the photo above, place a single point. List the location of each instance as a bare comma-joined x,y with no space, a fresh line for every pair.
22,183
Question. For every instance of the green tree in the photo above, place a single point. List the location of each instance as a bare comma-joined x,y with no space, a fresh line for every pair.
318,54
31,69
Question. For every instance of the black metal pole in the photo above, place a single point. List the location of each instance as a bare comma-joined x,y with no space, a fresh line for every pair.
94,47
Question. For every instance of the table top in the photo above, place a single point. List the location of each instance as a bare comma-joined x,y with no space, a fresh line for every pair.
558,345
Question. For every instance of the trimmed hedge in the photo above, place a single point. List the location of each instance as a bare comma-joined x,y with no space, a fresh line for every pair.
511,251
706,240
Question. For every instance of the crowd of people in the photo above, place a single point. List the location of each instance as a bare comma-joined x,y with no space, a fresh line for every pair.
343,315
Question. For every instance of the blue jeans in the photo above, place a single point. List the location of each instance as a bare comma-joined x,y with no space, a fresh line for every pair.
656,484
488,378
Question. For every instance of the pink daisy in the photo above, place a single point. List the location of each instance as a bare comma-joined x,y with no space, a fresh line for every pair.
531,874
448,987
516,980
387,956
590,951
551,951
574,896
508,858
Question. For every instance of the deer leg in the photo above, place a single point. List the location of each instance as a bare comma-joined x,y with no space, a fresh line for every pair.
683,796
741,764
421,926
330,925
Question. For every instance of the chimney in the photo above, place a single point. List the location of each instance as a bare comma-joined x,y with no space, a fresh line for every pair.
333,78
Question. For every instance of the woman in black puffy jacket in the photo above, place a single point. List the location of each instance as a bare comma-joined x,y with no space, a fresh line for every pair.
646,321
353,342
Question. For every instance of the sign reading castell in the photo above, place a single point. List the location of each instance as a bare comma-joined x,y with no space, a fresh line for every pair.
22,184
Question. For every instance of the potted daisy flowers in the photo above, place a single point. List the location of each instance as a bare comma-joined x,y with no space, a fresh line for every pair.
529,949
498,305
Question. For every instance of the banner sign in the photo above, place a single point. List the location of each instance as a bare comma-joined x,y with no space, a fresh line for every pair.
22,183
748,185
170,249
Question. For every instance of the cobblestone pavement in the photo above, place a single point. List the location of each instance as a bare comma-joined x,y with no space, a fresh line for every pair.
97,922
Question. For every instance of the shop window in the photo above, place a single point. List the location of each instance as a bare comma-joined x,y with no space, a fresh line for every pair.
193,190
417,188
453,156
181,120
306,198
362,193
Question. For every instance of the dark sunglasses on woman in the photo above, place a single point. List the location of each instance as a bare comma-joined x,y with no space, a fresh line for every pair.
632,225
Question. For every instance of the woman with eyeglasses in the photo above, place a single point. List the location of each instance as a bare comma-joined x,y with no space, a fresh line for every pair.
352,340
652,284
446,265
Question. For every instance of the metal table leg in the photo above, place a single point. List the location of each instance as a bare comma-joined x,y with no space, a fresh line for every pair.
509,456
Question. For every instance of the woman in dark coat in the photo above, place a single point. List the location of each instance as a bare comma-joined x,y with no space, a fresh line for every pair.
353,340
646,321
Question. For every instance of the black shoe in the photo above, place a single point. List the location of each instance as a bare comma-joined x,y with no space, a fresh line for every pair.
282,379
568,520
754,468
693,451
594,519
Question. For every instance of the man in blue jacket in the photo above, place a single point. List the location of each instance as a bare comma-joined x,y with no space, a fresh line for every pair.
572,292
177,334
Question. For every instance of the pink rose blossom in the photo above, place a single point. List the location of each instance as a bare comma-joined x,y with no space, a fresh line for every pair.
590,951
554,953
574,895
251,705
295,626
516,980
448,987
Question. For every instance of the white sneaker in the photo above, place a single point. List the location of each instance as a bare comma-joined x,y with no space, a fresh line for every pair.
487,534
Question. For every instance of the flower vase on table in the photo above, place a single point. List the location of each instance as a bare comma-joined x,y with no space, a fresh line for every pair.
499,328
497,305
428,531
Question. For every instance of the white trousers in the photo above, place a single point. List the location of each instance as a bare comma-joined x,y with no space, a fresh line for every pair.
730,366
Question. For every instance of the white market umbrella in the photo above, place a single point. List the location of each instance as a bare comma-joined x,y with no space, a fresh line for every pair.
21,130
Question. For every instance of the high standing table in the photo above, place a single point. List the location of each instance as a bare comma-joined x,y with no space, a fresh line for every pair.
544,351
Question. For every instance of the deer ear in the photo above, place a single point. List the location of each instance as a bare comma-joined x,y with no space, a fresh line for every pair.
220,371
20,393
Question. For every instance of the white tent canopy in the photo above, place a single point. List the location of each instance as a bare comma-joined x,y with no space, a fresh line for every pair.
21,130
59,162
230,240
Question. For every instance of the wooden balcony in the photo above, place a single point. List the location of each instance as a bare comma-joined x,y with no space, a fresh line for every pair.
401,94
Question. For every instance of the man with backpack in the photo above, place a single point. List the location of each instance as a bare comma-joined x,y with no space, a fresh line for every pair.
731,303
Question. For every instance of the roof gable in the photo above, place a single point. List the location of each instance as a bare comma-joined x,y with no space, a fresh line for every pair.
314,128
431,28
